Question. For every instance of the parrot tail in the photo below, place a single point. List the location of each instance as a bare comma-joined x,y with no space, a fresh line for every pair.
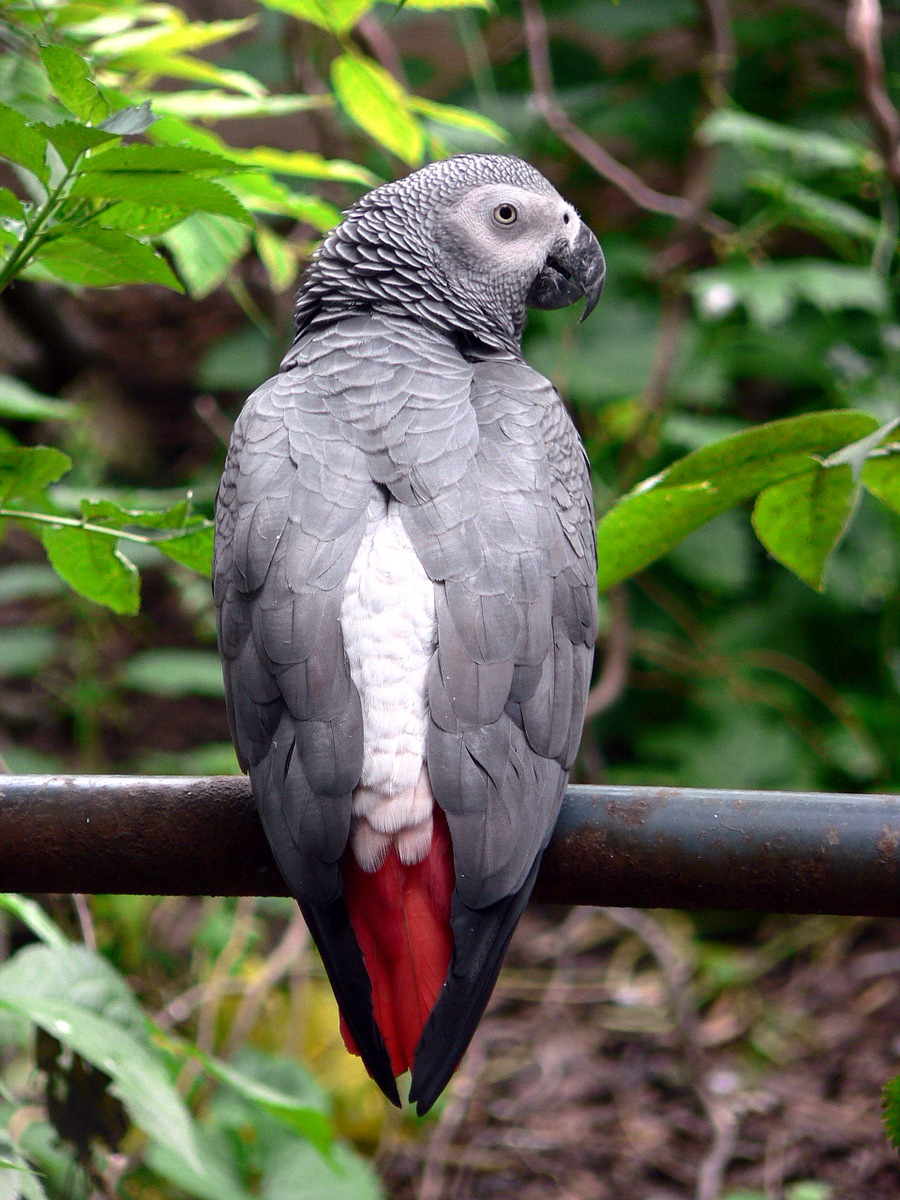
401,918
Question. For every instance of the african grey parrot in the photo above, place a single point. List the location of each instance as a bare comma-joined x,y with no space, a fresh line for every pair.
405,582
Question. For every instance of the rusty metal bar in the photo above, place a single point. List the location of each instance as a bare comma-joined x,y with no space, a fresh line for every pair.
644,846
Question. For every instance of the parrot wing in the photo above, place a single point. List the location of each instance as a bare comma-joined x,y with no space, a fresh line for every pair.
517,620
290,515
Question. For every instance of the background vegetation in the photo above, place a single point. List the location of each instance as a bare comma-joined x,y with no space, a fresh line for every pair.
740,163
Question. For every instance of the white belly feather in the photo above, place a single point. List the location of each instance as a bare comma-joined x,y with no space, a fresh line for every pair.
389,628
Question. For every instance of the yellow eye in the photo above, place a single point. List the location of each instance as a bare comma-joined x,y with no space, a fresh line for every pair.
505,214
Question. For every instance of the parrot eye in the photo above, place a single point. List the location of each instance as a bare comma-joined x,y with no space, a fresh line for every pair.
505,214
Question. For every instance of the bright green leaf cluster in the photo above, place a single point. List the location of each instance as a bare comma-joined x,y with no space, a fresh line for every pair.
802,470
85,551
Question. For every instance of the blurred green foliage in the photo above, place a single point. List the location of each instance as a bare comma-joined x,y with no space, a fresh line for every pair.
737,389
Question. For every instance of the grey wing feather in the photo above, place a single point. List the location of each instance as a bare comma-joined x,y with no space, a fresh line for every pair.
513,558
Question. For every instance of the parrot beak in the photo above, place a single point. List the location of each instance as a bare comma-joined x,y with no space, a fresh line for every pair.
570,272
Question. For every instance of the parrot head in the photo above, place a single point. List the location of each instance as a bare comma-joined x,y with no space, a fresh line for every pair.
466,244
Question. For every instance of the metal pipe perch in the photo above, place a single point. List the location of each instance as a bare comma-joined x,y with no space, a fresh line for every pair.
643,846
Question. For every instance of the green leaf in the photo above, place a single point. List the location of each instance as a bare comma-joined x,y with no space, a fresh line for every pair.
337,16
70,77
458,118
68,971
10,205
175,673
432,5
33,918
801,520
19,402
261,193
805,146
21,143
295,1169
163,158
654,517
771,291
278,256
139,1080
218,1178
173,131
92,564
133,119
881,477
205,248
811,210
166,188
192,549
890,1097
116,516
27,470
213,104
71,139
96,257
309,1120
132,48
376,102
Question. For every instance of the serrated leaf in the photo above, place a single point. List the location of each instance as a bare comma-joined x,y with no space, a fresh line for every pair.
171,189
205,248
93,566
19,402
654,517
133,119
26,470
378,104
801,520
337,16
70,77
458,118
881,477
98,257
192,549
21,143
140,220
139,1080
72,139
181,159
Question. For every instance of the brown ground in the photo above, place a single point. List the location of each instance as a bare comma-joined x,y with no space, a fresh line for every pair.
622,1058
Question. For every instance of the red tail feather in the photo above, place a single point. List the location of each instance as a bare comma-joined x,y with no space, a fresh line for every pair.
401,918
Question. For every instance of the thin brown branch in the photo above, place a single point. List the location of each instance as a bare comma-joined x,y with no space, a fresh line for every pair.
622,177
614,673
864,23
382,47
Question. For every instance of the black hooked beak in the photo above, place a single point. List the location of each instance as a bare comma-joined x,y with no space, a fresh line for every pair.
569,273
